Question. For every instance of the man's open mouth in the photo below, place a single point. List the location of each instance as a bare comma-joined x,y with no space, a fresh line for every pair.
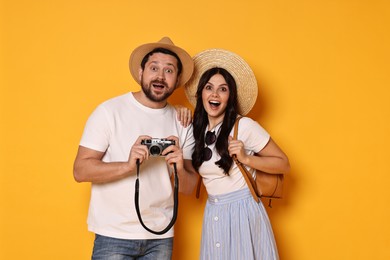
159,84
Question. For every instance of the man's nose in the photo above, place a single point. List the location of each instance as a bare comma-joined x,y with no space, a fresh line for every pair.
161,75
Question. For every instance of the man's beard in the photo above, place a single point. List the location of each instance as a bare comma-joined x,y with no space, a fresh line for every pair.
147,89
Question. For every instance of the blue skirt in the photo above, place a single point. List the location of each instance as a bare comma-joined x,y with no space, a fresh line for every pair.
236,227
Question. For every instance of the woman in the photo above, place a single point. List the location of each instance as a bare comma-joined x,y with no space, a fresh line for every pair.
235,226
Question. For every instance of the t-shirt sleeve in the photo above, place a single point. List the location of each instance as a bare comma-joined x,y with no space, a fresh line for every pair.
254,136
96,133
187,142
186,137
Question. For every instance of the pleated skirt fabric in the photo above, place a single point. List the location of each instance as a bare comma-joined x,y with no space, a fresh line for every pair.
236,227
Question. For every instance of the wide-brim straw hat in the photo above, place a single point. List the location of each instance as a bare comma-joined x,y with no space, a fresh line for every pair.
139,53
243,75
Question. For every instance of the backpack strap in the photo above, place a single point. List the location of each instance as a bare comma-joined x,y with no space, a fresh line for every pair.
247,176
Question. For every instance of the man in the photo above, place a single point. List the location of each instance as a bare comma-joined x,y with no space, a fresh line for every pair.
111,145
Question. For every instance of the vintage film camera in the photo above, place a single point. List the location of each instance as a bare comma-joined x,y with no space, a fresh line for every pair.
157,145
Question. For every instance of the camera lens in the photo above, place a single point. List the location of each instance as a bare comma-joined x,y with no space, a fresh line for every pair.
155,150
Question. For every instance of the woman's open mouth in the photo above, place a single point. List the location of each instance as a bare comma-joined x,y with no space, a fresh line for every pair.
214,104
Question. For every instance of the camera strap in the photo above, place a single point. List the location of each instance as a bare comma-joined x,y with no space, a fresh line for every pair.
175,205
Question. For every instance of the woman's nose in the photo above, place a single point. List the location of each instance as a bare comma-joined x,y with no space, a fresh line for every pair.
214,93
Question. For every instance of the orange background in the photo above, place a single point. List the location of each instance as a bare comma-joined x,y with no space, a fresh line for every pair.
323,73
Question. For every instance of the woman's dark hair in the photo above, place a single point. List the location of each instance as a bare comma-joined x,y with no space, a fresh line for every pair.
164,51
201,121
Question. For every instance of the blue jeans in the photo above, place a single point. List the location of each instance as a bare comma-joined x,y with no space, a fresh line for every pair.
108,248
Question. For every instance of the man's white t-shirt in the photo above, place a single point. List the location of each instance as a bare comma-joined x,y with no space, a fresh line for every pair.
113,128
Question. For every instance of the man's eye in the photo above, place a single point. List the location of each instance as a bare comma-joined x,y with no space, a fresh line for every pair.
169,71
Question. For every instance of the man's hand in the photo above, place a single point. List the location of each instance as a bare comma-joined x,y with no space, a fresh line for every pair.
138,152
173,154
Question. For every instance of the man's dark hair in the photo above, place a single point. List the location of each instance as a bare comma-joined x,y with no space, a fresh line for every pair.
164,51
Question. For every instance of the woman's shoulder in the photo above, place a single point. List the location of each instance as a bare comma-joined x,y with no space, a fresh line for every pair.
247,121
249,125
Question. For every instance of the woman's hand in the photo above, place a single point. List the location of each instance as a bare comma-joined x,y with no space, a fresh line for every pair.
236,147
184,115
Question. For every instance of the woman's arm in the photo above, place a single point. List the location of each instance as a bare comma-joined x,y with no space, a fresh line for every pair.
271,159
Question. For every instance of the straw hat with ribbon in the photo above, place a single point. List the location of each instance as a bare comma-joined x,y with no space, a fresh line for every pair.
235,65
139,53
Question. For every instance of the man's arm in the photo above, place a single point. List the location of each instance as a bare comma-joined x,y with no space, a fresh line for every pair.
188,178
89,167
